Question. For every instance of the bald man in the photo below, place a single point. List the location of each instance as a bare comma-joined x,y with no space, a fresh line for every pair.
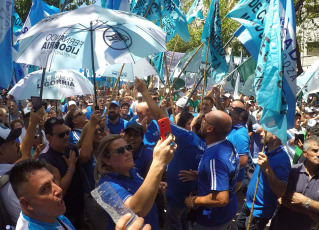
152,134
216,201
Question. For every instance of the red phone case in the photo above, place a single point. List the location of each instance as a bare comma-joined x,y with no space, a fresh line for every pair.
164,127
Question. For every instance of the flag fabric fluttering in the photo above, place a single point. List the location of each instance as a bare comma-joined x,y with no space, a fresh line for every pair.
158,62
275,75
123,5
150,9
251,14
247,71
238,78
308,81
6,65
195,11
211,37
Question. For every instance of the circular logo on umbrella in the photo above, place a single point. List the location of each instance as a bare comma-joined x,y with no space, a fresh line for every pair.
117,38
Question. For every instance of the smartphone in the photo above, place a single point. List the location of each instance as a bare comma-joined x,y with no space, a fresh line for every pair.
164,127
300,137
36,103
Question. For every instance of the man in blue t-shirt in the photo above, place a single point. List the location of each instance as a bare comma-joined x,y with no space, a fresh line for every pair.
215,202
40,198
275,168
239,137
114,123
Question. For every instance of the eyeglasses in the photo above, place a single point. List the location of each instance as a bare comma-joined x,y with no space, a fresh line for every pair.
121,150
61,135
207,121
78,114
101,130
156,98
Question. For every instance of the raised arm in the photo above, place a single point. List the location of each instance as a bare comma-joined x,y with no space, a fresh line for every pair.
156,111
142,201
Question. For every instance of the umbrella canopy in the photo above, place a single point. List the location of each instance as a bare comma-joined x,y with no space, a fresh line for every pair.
57,84
90,35
141,69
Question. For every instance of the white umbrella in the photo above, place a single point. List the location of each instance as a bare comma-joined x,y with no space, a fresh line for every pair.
56,85
141,69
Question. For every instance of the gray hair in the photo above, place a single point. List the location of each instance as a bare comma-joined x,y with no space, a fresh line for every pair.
306,144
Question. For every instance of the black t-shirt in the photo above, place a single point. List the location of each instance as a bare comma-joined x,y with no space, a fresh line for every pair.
74,197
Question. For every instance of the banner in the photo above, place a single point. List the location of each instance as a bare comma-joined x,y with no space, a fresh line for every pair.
275,75
195,11
6,66
150,9
216,52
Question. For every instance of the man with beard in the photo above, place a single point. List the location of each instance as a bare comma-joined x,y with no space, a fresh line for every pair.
142,155
114,123
216,201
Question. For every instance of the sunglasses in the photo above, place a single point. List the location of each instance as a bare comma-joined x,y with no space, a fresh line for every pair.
156,98
207,121
78,114
121,150
61,135
101,130
56,120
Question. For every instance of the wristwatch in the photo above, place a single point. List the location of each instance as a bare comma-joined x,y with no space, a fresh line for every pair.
307,205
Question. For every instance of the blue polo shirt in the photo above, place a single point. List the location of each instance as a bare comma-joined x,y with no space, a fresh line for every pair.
190,149
266,200
143,158
217,171
125,187
75,135
116,128
152,134
239,137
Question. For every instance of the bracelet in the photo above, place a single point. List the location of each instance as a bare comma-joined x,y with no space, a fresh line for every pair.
193,201
72,170
307,205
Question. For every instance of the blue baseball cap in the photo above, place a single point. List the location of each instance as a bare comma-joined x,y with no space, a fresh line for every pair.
115,103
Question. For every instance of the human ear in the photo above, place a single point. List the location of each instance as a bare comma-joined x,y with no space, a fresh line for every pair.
25,204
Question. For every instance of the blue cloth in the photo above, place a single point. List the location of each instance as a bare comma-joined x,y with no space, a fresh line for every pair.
116,128
152,134
256,146
218,171
125,187
27,223
88,178
143,158
239,137
75,135
266,200
187,156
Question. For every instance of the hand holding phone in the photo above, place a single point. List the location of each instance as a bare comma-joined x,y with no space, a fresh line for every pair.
36,103
164,127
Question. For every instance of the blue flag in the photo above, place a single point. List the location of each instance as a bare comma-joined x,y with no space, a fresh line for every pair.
158,62
6,67
251,14
174,21
212,38
123,5
49,10
195,11
275,75
150,9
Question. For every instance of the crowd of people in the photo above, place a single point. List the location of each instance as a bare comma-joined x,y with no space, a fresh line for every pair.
51,159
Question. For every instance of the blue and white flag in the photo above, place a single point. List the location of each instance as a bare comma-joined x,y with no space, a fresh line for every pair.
195,11
212,39
49,10
158,62
150,9
174,21
308,81
251,14
275,75
123,5
6,66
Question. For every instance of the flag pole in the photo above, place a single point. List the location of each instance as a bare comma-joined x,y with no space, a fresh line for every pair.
114,86
186,66
149,8
203,89
170,63
256,188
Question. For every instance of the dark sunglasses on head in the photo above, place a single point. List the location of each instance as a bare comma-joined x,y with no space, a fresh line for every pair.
78,114
61,135
101,130
121,150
